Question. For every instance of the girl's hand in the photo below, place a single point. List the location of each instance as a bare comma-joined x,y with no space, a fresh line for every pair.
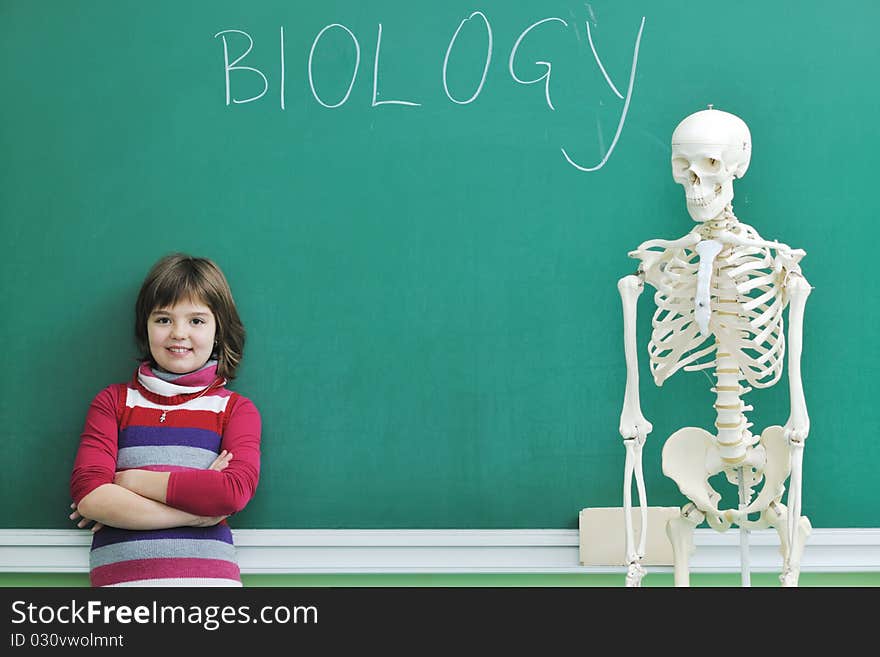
83,522
207,521
124,478
220,463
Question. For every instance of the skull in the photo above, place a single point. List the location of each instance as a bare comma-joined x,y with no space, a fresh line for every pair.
709,149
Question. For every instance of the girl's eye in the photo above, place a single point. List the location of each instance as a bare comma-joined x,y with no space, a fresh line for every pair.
162,320
198,320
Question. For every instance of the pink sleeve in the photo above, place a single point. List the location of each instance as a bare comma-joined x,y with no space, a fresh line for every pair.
95,462
212,493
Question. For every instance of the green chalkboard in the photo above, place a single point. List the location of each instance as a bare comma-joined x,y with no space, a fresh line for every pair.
427,280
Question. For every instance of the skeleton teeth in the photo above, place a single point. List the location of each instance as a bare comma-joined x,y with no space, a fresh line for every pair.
701,201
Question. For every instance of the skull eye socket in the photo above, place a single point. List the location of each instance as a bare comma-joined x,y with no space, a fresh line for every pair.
680,164
712,164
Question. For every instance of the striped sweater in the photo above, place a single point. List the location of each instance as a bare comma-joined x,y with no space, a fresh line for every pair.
177,427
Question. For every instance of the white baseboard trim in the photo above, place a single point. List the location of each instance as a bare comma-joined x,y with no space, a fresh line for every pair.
476,551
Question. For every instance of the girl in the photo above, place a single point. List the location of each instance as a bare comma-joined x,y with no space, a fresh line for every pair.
166,457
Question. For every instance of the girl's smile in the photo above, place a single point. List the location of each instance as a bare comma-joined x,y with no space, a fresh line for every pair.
182,336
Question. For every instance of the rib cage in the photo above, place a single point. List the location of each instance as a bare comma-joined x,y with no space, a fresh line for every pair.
747,299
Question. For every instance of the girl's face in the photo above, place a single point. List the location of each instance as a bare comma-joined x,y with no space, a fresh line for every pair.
182,336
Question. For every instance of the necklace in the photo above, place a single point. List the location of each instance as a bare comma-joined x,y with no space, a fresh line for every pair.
165,412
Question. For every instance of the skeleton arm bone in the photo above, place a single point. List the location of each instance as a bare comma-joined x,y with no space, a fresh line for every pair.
798,425
634,429
632,423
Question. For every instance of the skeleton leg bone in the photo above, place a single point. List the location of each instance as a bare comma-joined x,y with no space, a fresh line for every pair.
680,531
792,571
778,517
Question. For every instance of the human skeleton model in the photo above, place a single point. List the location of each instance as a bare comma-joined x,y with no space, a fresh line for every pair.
720,293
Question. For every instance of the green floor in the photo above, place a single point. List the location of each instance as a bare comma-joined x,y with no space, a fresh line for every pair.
654,579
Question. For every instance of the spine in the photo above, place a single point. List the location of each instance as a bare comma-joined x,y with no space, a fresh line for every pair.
731,424
733,437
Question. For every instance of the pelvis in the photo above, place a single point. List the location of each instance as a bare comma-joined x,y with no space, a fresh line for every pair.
690,458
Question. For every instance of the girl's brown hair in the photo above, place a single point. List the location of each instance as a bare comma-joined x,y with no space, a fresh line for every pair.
181,277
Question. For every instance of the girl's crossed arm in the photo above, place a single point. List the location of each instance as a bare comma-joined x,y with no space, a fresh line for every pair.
116,506
96,496
222,489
